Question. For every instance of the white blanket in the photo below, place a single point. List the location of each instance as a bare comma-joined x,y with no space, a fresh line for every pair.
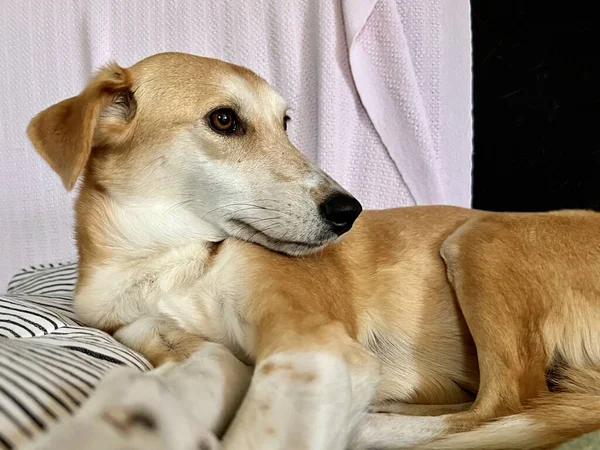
379,90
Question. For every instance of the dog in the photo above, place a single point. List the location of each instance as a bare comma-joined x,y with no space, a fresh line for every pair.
199,222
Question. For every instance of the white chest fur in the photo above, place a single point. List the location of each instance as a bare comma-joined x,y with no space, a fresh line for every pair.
214,305
177,285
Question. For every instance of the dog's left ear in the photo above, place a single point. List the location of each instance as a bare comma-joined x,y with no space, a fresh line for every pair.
64,134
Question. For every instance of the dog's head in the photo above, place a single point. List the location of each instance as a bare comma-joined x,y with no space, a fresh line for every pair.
198,135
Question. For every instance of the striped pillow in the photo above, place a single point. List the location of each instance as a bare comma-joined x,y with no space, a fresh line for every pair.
49,362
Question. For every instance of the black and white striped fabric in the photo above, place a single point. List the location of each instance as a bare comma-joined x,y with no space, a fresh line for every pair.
49,362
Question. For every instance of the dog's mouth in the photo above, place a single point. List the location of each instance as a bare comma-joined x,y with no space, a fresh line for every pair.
253,234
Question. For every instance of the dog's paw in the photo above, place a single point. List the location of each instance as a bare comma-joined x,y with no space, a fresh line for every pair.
123,430
142,411
142,428
179,406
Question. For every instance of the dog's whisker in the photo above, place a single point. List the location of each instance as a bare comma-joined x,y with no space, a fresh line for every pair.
254,234
263,230
249,209
179,204
249,205
270,227
255,219
219,208
151,163
285,235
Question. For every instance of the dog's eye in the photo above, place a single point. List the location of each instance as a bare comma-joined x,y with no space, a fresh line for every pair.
286,119
224,121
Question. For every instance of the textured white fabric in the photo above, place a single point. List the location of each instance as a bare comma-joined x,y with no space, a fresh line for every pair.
416,89
50,48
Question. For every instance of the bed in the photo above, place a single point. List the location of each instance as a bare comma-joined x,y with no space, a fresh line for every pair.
49,361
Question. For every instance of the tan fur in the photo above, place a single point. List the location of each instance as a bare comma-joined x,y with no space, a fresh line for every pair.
64,134
522,289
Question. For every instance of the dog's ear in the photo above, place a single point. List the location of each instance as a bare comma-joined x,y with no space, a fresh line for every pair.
64,134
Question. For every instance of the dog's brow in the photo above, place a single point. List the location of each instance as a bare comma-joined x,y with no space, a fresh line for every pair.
230,103
252,98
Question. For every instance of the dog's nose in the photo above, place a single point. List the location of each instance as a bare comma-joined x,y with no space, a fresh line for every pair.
340,211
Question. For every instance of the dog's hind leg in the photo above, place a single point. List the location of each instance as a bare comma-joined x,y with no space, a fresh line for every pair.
501,308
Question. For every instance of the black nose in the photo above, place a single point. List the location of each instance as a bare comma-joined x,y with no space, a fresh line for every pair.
340,211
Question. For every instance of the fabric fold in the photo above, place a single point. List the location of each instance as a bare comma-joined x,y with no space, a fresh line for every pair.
397,59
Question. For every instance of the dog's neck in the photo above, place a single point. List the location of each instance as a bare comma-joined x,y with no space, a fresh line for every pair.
132,251
129,230
142,230
127,233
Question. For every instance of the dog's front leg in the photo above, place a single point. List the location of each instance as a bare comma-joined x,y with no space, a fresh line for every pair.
211,384
179,406
206,376
311,387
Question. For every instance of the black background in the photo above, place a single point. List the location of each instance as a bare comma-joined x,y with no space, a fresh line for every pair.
536,94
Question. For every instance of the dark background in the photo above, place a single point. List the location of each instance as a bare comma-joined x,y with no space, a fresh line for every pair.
536,94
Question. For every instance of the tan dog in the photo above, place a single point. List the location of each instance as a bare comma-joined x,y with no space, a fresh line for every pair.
187,167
